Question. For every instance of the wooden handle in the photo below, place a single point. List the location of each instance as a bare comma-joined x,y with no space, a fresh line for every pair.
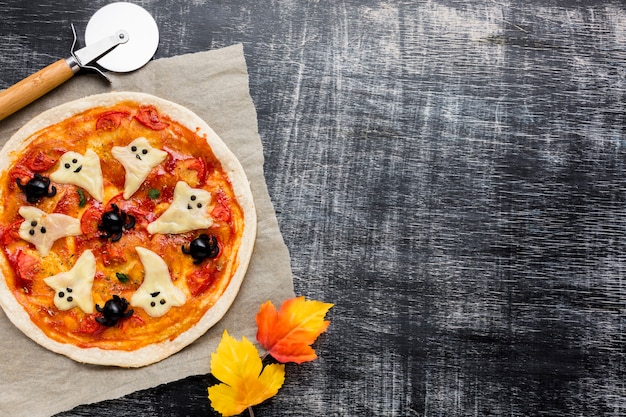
31,88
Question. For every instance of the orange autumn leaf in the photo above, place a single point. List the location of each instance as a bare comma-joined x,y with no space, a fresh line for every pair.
244,380
288,333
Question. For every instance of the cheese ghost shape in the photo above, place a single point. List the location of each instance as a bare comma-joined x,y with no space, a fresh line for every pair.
42,229
81,170
157,293
187,212
73,288
138,159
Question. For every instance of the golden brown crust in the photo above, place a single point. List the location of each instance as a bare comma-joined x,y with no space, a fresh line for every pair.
245,229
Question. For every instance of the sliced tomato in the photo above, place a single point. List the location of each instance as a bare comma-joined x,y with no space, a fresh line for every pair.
201,279
19,172
172,159
118,200
133,320
149,117
113,253
68,203
91,218
198,165
111,120
189,162
39,160
10,233
25,266
142,209
221,211
144,214
89,325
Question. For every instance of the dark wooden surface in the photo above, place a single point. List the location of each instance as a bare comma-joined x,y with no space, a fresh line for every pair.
450,173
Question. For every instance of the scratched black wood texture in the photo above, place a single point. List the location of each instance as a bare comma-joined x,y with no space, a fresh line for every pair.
450,173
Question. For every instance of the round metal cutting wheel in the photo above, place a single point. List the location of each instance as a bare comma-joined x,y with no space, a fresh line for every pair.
137,22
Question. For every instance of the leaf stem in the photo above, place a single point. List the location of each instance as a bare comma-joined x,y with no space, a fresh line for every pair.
250,411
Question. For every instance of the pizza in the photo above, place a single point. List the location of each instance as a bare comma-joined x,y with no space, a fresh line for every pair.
126,228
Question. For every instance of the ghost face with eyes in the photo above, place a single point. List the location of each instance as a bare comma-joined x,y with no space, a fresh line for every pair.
73,288
42,229
157,293
188,211
81,170
138,159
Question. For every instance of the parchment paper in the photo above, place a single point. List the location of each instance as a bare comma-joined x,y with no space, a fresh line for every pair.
213,84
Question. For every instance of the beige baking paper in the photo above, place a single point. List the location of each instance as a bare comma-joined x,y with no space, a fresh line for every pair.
214,85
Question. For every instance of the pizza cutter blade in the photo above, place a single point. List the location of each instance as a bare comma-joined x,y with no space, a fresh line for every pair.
120,37
142,30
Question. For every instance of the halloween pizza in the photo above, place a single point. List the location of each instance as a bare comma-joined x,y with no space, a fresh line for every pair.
126,227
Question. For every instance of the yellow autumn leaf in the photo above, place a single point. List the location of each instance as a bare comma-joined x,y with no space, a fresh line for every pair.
244,380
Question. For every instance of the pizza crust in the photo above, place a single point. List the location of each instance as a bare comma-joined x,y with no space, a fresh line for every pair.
231,165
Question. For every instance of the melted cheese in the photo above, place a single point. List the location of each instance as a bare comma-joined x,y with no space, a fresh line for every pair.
157,294
73,288
138,159
81,170
42,229
188,211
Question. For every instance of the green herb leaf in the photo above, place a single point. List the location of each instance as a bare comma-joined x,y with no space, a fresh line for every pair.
82,200
123,278
153,193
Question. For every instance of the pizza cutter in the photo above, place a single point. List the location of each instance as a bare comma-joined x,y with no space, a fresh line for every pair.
120,37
